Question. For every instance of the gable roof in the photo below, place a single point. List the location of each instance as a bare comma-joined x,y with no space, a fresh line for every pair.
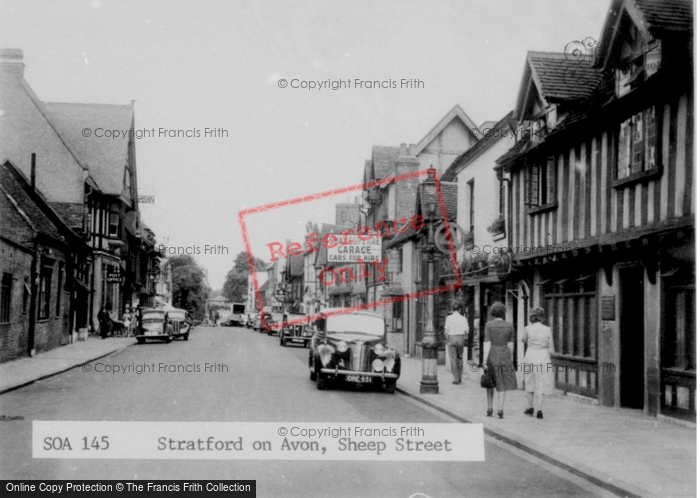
656,16
557,78
455,113
31,205
471,154
106,158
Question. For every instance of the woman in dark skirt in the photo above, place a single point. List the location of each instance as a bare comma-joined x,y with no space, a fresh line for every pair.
498,351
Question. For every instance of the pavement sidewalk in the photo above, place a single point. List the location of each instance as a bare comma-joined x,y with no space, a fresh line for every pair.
17,373
621,450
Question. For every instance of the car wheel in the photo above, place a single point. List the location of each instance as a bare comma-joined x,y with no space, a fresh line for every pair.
168,340
140,341
312,369
187,336
282,341
390,386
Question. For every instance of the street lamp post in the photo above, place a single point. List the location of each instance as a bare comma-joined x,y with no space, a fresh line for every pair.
429,343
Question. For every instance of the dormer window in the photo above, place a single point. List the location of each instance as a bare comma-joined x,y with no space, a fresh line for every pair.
639,58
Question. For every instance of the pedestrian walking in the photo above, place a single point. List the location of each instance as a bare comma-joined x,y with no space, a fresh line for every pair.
126,330
498,351
456,328
104,321
539,376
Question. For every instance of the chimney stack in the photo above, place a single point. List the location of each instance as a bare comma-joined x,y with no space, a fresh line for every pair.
404,150
33,173
11,62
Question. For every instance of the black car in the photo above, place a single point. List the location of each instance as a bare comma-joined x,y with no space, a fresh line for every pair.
295,330
351,348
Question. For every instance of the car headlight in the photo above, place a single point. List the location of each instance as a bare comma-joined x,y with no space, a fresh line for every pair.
379,348
378,365
325,352
342,346
389,360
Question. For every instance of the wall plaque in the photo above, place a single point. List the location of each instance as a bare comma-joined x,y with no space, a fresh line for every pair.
607,308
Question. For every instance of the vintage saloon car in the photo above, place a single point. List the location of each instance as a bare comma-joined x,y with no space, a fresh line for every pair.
351,347
295,329
181,325
152,326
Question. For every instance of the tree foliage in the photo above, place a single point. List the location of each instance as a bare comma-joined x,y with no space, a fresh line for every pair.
190,287
236,285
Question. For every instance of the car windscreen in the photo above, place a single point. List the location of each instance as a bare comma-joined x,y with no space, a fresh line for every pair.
364,324
176,315
153,316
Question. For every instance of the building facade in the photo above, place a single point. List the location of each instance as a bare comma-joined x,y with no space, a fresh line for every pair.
604,209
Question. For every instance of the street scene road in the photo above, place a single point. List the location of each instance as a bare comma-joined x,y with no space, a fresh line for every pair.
264,383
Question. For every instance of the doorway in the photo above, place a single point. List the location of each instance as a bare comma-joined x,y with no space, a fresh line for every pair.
632,337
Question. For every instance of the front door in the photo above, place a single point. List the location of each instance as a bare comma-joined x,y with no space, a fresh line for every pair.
632,337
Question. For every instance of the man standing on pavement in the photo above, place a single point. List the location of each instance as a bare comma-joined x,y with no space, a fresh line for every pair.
456,328
104,321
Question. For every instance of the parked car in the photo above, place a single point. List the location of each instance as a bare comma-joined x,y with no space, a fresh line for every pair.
273,319
257,323
351,348
250,318
180,321
152,326
299,332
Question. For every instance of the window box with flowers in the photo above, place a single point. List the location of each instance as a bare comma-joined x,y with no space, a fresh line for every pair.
499,264
474,265
497,226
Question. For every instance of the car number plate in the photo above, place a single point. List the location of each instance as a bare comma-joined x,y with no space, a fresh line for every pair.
363,379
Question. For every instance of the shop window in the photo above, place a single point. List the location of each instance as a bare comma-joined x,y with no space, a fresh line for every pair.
680,329
398,315
570,310
5,297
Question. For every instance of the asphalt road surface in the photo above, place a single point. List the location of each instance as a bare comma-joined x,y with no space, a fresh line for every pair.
264,382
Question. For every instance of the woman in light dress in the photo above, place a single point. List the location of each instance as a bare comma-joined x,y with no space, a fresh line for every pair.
537,364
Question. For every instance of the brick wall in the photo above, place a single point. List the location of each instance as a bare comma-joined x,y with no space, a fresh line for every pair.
14,336
49,333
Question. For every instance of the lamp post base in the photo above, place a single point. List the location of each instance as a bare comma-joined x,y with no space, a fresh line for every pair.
429,381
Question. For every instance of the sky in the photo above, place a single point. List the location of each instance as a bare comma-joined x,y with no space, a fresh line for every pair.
193,66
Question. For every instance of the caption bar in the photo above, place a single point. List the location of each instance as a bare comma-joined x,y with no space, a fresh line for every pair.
128,489
258,441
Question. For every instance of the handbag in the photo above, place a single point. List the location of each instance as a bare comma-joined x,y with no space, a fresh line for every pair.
487,380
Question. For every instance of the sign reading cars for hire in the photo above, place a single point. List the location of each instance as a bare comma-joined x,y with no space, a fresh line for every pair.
354,250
